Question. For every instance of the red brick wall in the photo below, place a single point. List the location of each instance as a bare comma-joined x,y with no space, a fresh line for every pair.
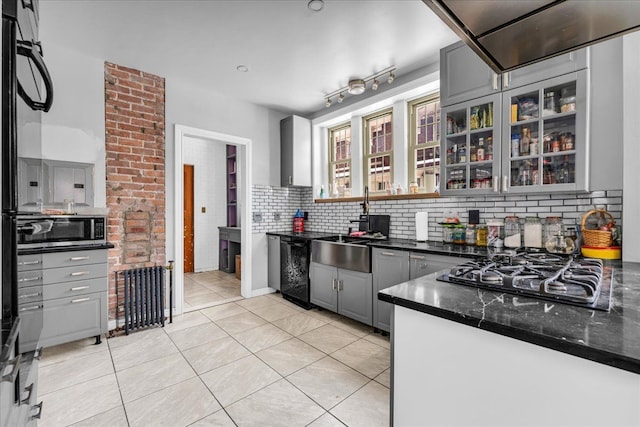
134,138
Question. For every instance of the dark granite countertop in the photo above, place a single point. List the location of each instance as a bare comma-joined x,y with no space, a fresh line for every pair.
94,247
611,338
431,247
308,235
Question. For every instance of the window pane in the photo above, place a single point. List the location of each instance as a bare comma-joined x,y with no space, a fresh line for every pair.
425,154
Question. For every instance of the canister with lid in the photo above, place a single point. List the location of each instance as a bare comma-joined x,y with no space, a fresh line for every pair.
447,234
512,232
495,233
459,234
553,227
470,235
533,232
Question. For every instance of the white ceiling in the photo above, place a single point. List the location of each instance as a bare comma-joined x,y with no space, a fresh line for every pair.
295,56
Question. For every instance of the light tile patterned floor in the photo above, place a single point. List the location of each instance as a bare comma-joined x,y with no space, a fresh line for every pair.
209,288
254,362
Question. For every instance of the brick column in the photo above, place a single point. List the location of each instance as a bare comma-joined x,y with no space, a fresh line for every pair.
135,162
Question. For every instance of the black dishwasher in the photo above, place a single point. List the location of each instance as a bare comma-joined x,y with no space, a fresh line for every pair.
295,255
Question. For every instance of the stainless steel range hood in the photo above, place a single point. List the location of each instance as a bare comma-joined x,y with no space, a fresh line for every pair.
509,34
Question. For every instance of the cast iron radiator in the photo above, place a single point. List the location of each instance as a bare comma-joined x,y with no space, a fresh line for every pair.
144,295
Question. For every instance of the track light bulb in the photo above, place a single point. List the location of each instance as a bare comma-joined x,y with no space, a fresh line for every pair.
328,103
391,77
374,85
340,98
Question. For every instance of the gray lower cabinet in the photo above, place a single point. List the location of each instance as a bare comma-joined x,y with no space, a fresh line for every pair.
63,300
346,292
390,267
421,264
273,265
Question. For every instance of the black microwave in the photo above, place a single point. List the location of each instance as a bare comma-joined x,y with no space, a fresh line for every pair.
39,231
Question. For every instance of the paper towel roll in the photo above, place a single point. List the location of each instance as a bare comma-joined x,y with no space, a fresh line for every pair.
422,226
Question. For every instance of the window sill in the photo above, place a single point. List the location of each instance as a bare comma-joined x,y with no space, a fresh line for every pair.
381,197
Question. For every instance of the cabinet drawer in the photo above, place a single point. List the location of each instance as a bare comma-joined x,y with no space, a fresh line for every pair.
68,274
30,295
71,258
64,320
29,262
72,289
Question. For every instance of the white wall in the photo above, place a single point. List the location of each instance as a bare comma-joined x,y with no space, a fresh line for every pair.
73,130
209,169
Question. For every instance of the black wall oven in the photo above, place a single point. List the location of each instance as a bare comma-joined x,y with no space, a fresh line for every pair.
27,91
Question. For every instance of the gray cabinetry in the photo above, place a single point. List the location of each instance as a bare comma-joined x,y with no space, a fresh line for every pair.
324,286
62,297
390,267
552,67
346,292
464,75
295,152
229,246
273,265
421,264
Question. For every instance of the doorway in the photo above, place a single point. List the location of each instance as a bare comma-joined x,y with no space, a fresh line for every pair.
208,278
188,219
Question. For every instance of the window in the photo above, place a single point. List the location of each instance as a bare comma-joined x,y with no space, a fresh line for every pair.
424,143
378,152
340,157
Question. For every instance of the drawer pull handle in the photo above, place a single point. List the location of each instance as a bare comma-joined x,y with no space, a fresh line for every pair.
387,253
79,273
39,413
29,262
73,301
78,258
29,390
416,257
37,294
11,376
79,288
29,279
33,307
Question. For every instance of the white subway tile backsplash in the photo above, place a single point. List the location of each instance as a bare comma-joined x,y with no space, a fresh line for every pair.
335,217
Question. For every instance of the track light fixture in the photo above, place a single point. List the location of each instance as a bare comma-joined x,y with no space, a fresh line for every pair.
358,86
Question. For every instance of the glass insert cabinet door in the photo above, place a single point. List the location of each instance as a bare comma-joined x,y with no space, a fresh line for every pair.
545,129
470,149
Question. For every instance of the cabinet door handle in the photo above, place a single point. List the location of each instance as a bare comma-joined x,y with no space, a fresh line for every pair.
31,308
15,363
417,257
505,79
496,183
340,285
79,273
29,279
39,413
505,182
29,262
79,288
78,258
29,390
333,284
37,294
290,180
74,301
387,253
495,81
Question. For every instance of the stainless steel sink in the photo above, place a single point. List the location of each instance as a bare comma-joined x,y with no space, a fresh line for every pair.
351,254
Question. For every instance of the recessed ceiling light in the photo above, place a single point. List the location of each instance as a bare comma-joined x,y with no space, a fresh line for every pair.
242,68
316,5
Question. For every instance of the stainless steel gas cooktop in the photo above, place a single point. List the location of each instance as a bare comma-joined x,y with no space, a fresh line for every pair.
578,281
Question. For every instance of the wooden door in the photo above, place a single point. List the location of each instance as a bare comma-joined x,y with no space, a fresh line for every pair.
188,218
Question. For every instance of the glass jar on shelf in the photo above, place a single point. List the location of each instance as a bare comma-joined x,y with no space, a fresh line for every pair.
495,233
447,234
512,232
470,235
459,234
553,227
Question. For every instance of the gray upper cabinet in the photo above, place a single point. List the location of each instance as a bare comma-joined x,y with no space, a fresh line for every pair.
295,152
273,265
390,267
552,67
464,76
